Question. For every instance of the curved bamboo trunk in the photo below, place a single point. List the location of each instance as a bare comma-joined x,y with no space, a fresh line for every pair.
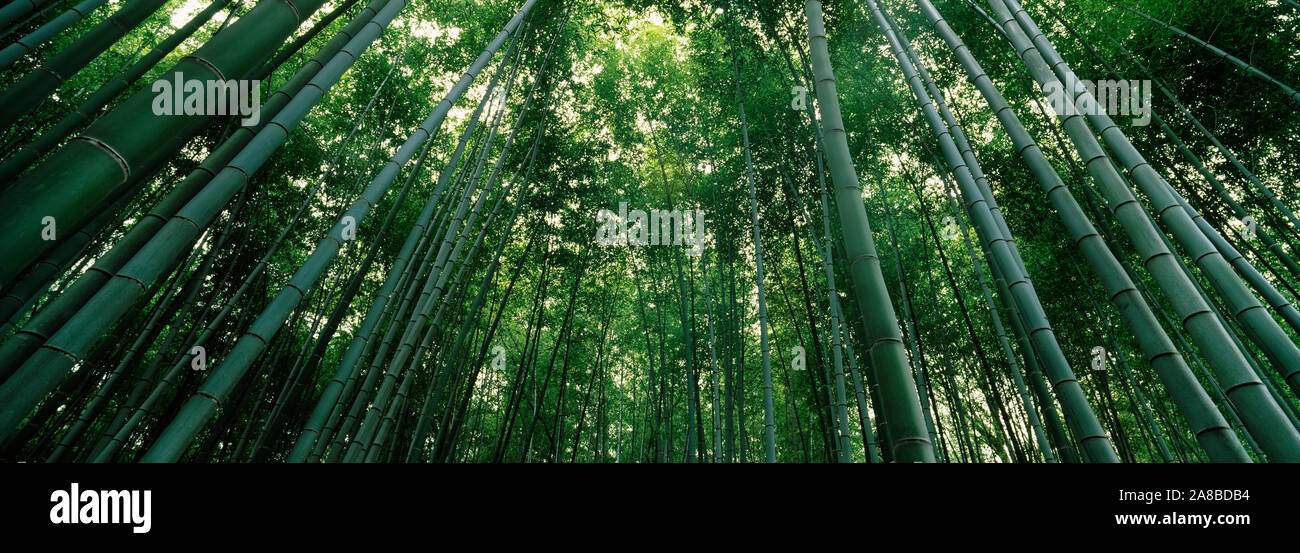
43,370
15,10
910,441
1258,325
962,163
75,182
21,296
19,48
33,88
48,321
85,113
1207,423
1260,412
1035,423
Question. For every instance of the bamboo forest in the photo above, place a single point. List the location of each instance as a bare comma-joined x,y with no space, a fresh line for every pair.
649,231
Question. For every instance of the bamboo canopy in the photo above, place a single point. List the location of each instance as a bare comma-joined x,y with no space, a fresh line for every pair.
634,231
